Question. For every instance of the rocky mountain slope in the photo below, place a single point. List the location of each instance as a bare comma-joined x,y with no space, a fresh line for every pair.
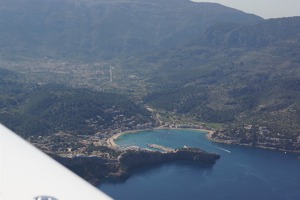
94,29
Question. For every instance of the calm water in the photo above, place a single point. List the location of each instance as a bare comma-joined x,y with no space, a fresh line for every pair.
241,173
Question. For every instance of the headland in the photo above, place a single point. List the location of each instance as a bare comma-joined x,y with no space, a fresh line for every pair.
120,162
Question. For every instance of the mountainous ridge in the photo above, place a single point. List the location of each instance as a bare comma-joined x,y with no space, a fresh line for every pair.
256,35
203,61
90,29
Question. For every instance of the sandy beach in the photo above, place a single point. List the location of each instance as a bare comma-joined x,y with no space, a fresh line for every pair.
111,140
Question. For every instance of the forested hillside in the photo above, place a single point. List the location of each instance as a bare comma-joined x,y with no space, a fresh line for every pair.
251,79
200,61
34,110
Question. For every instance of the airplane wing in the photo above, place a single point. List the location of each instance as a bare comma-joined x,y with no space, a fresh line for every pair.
26,173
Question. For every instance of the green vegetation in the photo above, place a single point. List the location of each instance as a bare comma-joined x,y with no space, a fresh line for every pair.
52,108
201,62
214,125
235,83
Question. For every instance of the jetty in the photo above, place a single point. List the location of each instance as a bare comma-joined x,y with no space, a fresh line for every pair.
165,149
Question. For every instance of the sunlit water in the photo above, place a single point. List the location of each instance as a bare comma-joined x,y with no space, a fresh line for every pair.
241,173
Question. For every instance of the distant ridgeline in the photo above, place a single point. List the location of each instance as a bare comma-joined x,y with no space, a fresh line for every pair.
47,109
102,29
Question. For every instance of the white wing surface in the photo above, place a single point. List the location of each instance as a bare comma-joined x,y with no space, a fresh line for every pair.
26,173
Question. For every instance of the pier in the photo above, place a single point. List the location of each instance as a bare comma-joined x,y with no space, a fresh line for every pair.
165,149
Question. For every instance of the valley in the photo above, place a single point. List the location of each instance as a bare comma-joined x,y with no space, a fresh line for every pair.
75,73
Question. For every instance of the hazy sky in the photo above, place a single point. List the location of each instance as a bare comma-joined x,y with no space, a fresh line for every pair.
264,8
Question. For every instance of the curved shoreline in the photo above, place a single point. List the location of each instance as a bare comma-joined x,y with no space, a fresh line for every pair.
232,142
111,141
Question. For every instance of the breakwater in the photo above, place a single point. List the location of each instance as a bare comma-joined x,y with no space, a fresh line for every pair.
156,146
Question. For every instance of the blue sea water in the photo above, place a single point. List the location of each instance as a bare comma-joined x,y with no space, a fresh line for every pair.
242,173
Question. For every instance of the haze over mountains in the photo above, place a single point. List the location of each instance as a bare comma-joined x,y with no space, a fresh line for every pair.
105,29
204,61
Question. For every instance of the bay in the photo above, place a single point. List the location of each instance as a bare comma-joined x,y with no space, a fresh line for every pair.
241,173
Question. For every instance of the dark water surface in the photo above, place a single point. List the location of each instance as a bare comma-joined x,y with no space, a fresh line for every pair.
241,173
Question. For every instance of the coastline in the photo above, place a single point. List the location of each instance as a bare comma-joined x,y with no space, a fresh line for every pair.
120,166
232,142
111,140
